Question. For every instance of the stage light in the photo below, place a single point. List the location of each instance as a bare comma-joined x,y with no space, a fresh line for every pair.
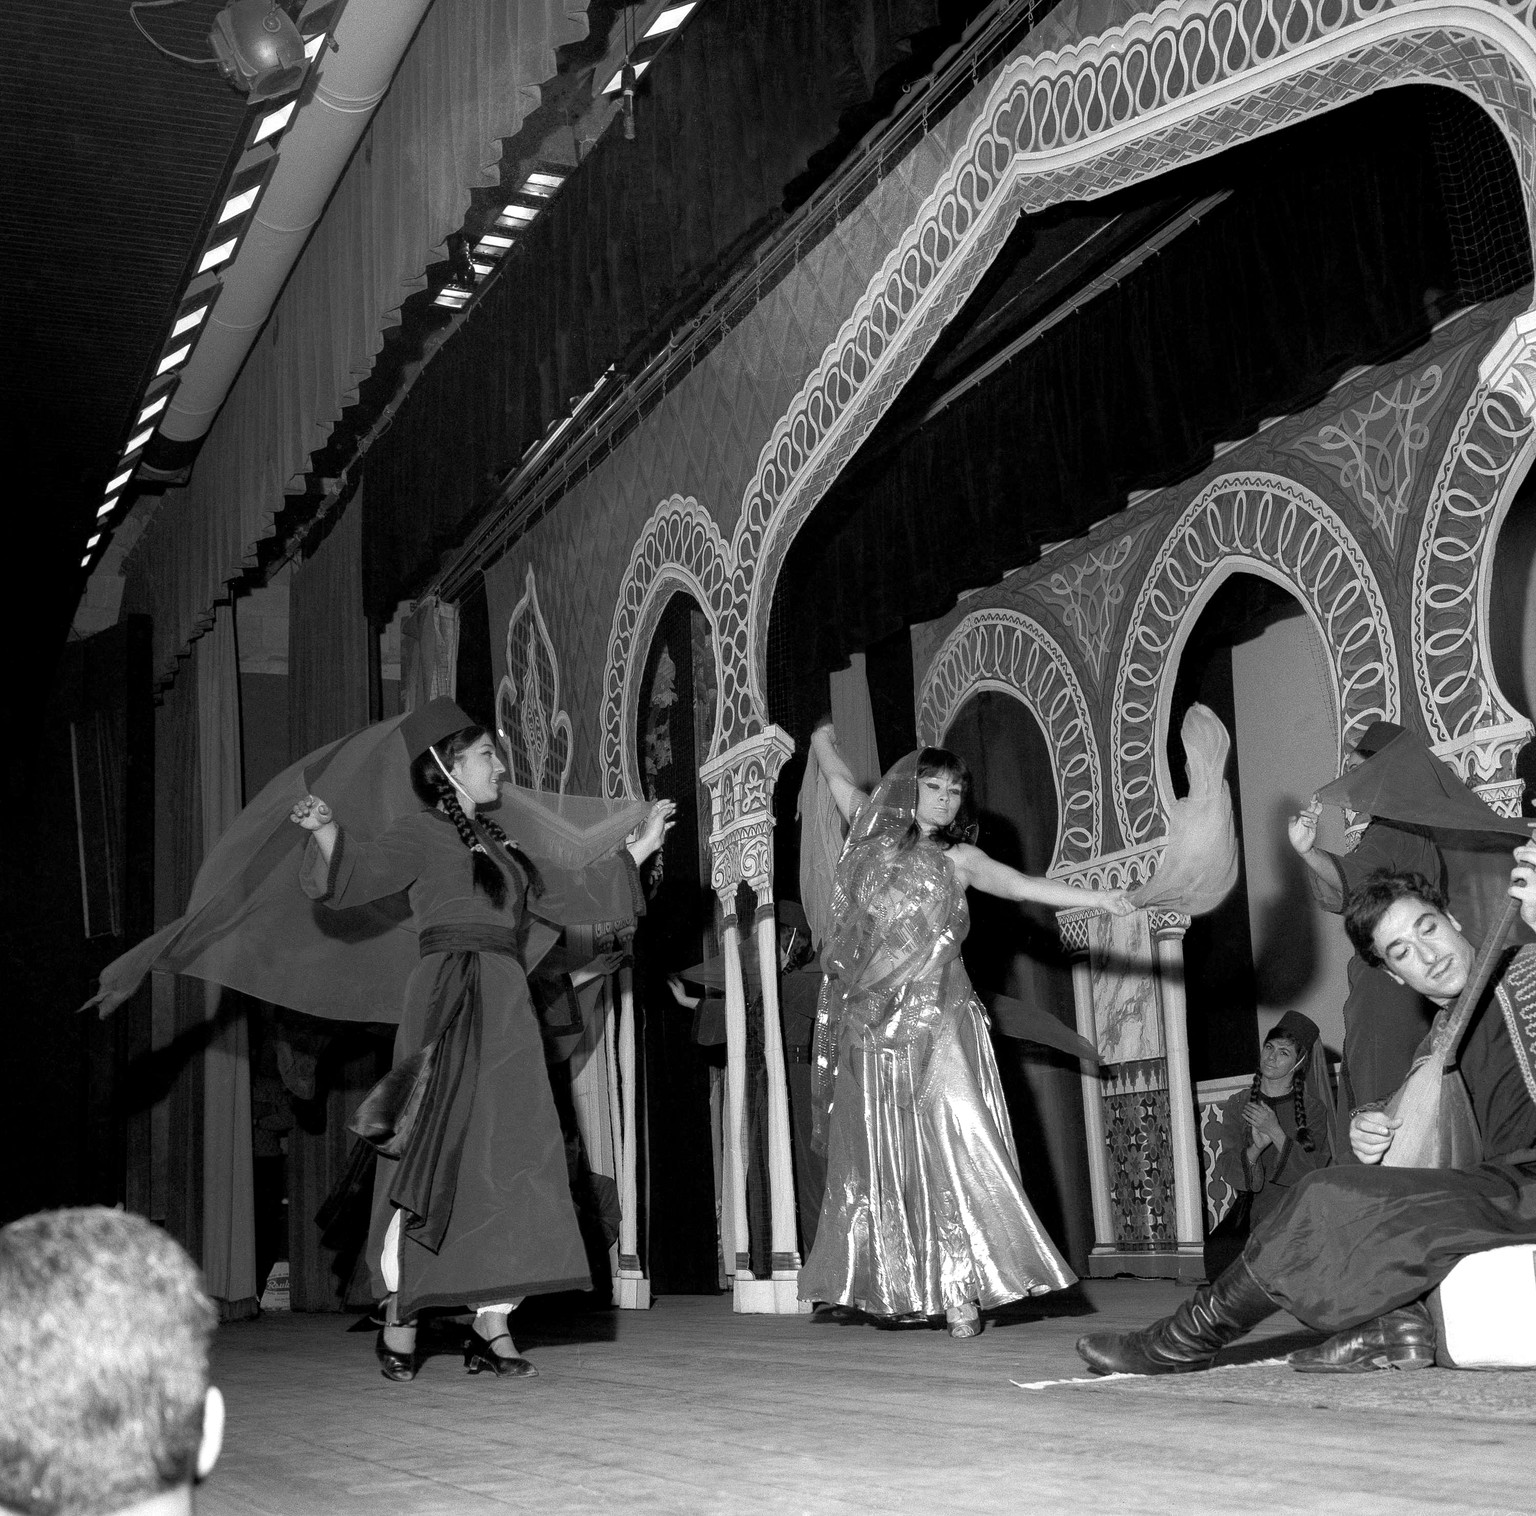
541,184
670,19
274,123
187,322
85,562
153,408
493,245
238,205
615,84
120,481
217,255
481,269
452,298
313,46
170,360
93,541
259,49
136,442
517,215
107,509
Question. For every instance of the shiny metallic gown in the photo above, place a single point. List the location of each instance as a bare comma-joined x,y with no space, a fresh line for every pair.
924,1209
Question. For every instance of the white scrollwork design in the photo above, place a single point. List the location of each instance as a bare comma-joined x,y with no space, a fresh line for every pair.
680,549
1275,527
1006,650
1470,723
1088,592
1374,449
535,731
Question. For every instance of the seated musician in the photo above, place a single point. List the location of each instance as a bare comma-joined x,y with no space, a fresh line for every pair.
1354,1251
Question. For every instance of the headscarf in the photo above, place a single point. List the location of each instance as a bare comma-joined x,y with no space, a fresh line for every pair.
1312,1071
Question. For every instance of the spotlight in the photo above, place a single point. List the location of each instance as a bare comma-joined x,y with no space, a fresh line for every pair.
108,508
259,49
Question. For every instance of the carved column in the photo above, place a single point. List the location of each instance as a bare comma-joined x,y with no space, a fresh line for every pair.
1168,928
1073,926
740,784
631,1289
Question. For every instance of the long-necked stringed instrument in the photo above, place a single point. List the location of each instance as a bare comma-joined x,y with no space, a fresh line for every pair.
1438,1129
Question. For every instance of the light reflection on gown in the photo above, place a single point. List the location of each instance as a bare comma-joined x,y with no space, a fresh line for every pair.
924,1207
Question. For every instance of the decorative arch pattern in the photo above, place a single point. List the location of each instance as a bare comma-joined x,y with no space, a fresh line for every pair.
1168,87
535,729
1006,650
1468,720
1276,527
680,549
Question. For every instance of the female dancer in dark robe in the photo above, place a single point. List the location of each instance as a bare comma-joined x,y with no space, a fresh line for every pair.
477,1210
924,1213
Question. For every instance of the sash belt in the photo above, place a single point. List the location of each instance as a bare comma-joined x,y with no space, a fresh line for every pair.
470,937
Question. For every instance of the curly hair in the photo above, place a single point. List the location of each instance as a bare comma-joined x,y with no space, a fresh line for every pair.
429,778
1375,895
104,1334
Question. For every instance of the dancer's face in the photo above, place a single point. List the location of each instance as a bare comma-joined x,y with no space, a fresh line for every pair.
479,769
1423,948
1278,1058
938,800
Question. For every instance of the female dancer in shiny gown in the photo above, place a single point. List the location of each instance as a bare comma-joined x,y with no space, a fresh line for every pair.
924,1212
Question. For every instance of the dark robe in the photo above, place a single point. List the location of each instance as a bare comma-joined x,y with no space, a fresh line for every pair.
1271,1176
1384,1021
798,993
1351,1243
512,1230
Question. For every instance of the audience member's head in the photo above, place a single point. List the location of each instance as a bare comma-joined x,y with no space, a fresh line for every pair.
105,1404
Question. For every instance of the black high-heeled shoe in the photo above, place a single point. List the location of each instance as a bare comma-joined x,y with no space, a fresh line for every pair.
400,1367
478,1358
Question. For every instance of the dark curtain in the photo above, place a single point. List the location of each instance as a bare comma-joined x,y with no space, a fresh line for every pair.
729,117
1015,950
1333,249
324,1068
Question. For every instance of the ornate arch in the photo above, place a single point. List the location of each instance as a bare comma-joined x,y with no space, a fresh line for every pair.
1169,87
1006,650
535,729
1264,524
680,549
1469,721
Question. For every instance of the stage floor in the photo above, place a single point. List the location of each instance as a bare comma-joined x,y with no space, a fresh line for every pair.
688,1407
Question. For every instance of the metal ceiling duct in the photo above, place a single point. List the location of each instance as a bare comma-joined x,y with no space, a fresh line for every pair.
370,40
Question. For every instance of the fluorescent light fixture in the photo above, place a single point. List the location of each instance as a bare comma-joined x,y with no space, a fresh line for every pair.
670,19
108,508
138,441
541,184
170,360
481,269
153,408
453,298
238,205
85,562
217,255
274,123
92,543
518,215
187,322
493,245
120,481
313,46
615,84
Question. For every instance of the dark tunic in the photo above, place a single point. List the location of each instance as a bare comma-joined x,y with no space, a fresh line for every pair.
512,1230
1384,1021
798,994
1351,1243
1270,1177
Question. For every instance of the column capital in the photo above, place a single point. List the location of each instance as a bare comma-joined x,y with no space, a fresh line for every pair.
740,784
1509,366
1166,925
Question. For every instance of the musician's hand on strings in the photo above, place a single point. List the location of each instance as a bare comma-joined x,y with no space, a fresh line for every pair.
1522,882
1302,828
1371,1133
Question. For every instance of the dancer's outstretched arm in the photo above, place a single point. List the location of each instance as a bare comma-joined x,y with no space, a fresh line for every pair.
978,872
849,797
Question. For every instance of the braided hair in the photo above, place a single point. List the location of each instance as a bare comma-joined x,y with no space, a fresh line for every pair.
1298,1097
429,778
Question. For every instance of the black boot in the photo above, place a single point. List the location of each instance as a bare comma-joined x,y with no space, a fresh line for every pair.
1402,1339
1215,1315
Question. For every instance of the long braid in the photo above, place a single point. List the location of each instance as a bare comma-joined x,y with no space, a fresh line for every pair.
524,862
1257,1087
488,878
1303,1136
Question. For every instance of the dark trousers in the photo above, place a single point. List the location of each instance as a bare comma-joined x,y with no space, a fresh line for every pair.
1351,1243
